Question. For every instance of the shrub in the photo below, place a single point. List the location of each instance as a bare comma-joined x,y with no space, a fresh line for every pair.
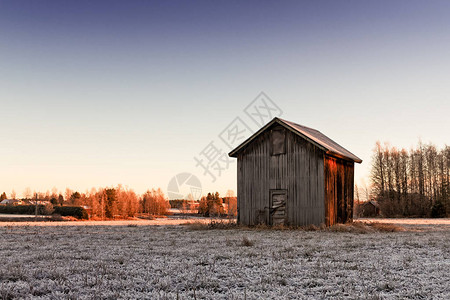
72,211
47,209
438,210
22,209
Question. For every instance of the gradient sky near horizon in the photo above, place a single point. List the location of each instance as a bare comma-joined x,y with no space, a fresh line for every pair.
97,93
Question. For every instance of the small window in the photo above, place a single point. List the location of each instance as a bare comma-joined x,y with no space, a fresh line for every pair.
278,141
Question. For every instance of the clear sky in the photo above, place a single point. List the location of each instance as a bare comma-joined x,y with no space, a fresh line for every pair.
96,93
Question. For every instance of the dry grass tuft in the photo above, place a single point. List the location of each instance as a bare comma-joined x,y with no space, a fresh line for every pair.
385,227
279,227
223,224
261,226
362,227
287,227
196,225
213,224
247,242
313,227
339,228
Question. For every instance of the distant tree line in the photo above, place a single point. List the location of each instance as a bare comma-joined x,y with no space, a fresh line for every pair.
213,205
120,202
411,183
107,203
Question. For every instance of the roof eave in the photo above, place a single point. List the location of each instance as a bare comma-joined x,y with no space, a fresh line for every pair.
337,155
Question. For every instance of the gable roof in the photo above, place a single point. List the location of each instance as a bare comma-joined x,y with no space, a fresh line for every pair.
9,201
372,202
313,136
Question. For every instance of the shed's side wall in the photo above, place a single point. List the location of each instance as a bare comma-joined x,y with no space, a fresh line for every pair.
300,172
339,177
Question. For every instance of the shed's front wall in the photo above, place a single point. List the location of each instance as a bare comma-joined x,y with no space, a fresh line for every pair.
299,173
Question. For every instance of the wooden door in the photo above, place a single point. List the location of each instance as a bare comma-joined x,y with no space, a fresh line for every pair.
278,211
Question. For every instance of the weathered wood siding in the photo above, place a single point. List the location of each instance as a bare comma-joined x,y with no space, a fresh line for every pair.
300,172
339,176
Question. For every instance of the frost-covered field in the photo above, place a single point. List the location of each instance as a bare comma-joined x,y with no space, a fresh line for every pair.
159,262
140,222
441,224
15,216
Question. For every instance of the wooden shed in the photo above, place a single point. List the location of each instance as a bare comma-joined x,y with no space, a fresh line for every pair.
293,175
369,209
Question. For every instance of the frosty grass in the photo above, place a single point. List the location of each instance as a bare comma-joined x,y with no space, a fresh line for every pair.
166,262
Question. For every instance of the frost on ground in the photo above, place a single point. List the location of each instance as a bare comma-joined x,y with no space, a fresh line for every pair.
442,224
159,262
135,222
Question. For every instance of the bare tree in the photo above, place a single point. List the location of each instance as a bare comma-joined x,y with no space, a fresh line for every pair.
155,203
27,193
404,161
414,182
378,166
231,203
396,165
68,194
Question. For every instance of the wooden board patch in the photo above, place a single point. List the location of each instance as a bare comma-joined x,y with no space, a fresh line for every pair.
278,211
